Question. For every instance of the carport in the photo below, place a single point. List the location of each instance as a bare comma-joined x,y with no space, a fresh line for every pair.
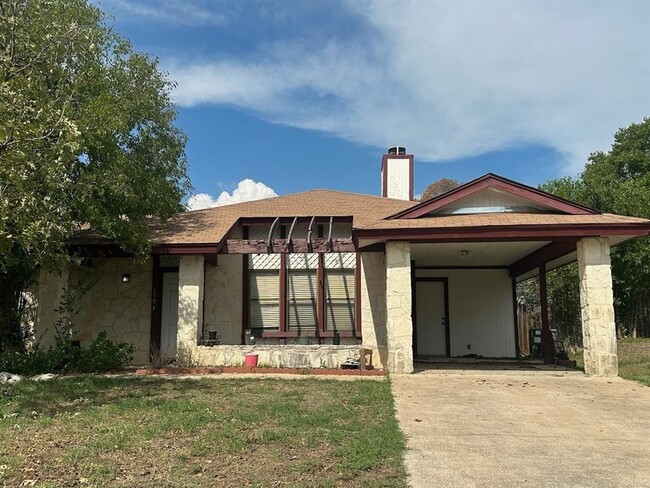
452,264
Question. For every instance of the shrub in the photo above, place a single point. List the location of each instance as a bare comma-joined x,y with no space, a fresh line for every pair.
105,355
65,357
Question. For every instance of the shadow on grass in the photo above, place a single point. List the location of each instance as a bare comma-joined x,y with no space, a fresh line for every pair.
70,394
75,393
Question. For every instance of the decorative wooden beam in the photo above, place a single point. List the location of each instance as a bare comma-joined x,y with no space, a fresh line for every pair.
357,296
244,246
320,297
311,225
246,293
283,292
269,240
543,255
293,226
329,234
376,247
504,233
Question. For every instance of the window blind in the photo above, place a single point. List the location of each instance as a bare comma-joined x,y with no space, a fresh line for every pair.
302,293
264,299
339,300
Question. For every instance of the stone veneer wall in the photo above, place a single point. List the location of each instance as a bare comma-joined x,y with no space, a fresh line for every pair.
597,307
373,306
399,324
223,298
123,310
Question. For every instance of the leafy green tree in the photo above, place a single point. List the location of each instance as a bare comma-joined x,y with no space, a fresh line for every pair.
617,181
87,137
438,187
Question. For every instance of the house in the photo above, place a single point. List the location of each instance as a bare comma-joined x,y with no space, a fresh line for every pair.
312,277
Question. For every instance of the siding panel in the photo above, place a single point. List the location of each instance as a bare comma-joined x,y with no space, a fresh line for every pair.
480,312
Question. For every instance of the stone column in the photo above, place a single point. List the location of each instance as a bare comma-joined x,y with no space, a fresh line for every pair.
52,287
373,306
399,324
597,307
190,304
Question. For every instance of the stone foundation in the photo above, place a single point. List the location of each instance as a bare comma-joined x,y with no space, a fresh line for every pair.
274,356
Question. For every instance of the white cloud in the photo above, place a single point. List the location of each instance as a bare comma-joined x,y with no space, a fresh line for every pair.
184,12
451,79
247,190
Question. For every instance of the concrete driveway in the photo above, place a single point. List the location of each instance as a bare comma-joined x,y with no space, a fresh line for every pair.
512,429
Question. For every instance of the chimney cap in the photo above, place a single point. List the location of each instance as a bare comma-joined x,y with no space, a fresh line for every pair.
396,151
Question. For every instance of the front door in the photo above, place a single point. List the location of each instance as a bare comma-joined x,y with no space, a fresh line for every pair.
169,322
431,322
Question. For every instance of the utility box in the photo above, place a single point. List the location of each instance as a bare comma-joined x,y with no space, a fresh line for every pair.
535,342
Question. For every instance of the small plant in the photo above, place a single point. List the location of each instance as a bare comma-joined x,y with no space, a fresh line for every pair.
157,360
184,359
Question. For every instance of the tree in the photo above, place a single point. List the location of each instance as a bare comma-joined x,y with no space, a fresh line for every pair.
438,187
87,137
617,181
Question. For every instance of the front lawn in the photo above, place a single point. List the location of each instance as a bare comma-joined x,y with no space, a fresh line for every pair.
633,359
147,431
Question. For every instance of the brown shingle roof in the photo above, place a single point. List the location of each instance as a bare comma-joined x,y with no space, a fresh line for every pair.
211,225
503,219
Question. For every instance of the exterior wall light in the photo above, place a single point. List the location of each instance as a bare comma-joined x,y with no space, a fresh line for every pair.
126,277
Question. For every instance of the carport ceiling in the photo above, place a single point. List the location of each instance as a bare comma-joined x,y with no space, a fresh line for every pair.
477,253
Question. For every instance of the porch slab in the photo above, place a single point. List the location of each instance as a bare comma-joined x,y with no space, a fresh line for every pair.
490,366
504,429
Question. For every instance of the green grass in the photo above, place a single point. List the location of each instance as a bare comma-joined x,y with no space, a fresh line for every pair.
146,432
633,359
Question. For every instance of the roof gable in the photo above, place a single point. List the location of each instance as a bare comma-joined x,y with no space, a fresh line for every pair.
492,194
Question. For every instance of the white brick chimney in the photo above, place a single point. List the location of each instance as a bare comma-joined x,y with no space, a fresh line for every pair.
397,174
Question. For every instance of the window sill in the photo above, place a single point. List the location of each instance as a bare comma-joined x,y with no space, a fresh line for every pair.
302,334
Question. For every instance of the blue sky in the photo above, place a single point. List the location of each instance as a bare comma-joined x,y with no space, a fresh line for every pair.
308,94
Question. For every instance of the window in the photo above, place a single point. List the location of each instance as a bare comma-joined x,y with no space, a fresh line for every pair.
340,292
302,292
264,273
318,292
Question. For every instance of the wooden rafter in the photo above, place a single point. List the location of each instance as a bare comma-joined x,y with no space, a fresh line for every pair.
271,229
293,225
329,234
311,225
245,246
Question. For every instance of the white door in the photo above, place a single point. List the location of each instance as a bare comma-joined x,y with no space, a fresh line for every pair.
431,322
169,322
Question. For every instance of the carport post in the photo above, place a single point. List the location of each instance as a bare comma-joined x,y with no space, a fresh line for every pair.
543,302
399,323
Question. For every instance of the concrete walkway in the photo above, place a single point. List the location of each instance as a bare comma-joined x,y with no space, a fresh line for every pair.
518,429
